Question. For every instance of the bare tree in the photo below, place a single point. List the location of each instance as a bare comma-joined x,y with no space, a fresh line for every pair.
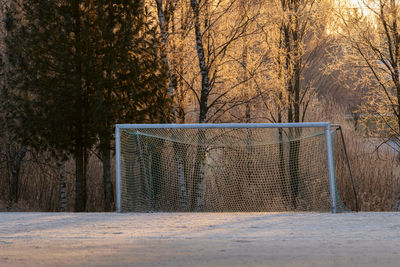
295,42
209,18
370,34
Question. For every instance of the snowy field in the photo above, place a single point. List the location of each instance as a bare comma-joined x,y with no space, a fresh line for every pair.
199,239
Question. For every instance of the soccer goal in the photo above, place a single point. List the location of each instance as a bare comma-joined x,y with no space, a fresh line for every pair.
226,167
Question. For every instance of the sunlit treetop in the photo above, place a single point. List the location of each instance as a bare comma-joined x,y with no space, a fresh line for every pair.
348,10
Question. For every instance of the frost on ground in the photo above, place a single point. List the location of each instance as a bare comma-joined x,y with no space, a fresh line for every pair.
199,239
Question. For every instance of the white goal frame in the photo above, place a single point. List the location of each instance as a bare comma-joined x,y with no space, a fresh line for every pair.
326,125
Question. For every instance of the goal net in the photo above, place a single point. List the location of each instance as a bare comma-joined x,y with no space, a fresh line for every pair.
226,167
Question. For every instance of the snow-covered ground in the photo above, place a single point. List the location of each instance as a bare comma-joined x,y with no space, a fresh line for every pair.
199,239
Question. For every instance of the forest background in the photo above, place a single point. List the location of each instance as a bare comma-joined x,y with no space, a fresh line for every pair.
71,70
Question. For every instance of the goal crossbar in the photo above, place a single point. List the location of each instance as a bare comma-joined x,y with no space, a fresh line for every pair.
226,125
326,125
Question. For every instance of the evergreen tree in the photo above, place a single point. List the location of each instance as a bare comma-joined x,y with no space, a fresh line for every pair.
77,68
129,77
45,43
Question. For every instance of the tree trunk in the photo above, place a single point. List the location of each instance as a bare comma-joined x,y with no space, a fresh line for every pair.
294,147
204,69
246,182
80,153
163,21
292,49
180,151
80,179
164,18
146,182
15,167
156,174
106,162
198,177
63,185
282,172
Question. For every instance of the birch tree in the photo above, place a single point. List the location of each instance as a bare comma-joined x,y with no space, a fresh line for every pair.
294,34
215,30
166,16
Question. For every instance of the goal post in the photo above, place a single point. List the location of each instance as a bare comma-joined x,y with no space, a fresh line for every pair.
226,167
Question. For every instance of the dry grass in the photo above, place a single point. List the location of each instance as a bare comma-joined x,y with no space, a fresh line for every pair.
376,174
39,186
376,171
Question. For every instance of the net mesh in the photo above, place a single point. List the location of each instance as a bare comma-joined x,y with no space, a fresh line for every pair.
224,169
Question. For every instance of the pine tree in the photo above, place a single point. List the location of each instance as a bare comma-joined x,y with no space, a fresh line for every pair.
50,95
129,77
79,67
